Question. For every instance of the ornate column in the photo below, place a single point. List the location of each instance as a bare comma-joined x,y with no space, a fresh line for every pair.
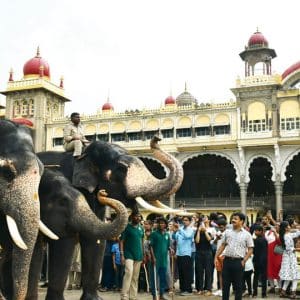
278,195
243,193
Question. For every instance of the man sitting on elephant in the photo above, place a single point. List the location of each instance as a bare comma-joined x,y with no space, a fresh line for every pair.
74,139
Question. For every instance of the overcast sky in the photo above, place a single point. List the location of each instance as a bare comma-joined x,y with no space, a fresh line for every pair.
138,51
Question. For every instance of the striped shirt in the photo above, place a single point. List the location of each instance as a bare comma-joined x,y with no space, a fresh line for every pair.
237,242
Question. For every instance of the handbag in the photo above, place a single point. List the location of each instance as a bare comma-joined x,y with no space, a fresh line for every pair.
278,249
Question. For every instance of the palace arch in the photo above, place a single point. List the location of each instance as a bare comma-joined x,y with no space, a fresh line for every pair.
291,186
211,177
261,186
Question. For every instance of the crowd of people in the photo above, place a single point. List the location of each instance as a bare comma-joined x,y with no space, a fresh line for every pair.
206,254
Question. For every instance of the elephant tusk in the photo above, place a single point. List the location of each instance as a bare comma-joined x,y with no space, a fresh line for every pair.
14,232
154,209
157,203
184,213
46,231
179,212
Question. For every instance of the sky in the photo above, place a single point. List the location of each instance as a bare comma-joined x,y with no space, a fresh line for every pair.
138,52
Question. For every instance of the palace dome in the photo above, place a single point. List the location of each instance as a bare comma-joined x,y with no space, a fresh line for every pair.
107,106
291,69
257,39
169,100
185,98
33,66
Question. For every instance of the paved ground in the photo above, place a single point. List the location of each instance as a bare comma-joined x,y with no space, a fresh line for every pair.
75,295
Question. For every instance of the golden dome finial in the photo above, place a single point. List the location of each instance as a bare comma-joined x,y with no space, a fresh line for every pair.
185,87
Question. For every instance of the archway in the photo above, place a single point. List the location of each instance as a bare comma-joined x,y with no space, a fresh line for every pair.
261,187
291,187
209,179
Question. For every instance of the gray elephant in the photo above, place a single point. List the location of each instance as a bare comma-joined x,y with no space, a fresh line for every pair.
66,212
20,173
125,178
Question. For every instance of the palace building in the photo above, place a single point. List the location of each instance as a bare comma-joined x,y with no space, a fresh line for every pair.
244,154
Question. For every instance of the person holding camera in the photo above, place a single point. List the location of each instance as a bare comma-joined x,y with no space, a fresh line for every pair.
204,257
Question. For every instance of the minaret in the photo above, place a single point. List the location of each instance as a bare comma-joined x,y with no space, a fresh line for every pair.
35,98
257,51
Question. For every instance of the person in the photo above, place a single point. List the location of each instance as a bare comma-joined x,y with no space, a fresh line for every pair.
274,260
118,267
107,282
184,236
132,254
258,222
204,257
75,270
219,266
159,247
288,271
260,259
237,244
74,139
247,279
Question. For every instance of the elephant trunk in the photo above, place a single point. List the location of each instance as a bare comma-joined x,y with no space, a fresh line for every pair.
20,203
140,181
87,223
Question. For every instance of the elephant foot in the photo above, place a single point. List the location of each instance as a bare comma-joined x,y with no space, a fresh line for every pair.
90,296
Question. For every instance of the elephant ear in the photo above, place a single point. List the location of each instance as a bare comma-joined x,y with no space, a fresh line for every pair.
84,175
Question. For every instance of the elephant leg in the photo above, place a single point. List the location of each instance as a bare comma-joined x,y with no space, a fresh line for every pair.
6,283
91,261
60,259
35,269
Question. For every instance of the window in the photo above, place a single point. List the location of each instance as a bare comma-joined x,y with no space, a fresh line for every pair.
149,134
24,108
103,137
244,125
289,123
222,129
118,137
201,131
17,108
58,141
134,136
31,107
184,132
257,125
167,133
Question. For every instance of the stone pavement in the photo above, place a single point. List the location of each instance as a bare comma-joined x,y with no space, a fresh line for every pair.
75,295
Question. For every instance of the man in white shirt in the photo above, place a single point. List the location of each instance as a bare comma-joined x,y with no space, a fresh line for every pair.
237,244
74,139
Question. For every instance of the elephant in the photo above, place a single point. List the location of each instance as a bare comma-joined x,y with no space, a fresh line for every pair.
20,173
66,212
125,178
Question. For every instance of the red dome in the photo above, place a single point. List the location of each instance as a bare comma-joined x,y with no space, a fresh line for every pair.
23,121
169,100
107,106
257,39
33,66
290,70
